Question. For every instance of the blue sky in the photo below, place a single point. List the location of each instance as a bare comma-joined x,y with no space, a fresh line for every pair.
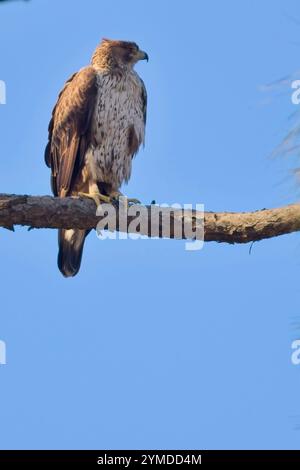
151,346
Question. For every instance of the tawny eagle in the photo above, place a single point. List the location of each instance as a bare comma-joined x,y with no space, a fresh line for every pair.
97,126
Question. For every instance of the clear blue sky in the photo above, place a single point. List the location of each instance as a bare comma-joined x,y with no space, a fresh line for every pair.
152,346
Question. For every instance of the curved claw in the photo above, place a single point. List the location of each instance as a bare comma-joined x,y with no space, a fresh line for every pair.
97,197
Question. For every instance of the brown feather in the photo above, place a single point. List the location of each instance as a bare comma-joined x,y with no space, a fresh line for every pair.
69,129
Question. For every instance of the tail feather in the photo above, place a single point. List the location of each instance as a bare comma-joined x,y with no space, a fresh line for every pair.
71,244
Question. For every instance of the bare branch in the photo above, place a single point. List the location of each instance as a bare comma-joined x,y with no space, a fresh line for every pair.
229,227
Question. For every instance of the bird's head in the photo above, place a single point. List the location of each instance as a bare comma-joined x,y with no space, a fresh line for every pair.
117,54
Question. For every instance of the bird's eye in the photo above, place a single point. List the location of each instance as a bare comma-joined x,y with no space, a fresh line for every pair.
134,47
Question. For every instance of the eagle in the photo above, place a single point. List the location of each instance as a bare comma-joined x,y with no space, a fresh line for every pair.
96,128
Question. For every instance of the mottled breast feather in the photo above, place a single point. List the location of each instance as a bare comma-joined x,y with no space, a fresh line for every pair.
118,126
69,130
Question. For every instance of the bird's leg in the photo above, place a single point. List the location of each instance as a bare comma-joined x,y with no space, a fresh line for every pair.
95,194
116,195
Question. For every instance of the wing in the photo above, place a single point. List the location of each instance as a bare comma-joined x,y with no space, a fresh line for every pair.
69,130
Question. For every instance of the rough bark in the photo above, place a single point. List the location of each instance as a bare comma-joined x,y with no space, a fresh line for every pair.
229,227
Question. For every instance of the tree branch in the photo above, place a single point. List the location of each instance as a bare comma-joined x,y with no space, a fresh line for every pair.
229,227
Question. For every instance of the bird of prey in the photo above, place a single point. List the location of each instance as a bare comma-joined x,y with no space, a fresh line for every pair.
97,126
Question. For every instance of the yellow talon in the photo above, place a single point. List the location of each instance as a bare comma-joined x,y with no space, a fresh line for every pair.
116,196
97,197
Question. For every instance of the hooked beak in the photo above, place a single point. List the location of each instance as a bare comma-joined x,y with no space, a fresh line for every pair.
143,56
